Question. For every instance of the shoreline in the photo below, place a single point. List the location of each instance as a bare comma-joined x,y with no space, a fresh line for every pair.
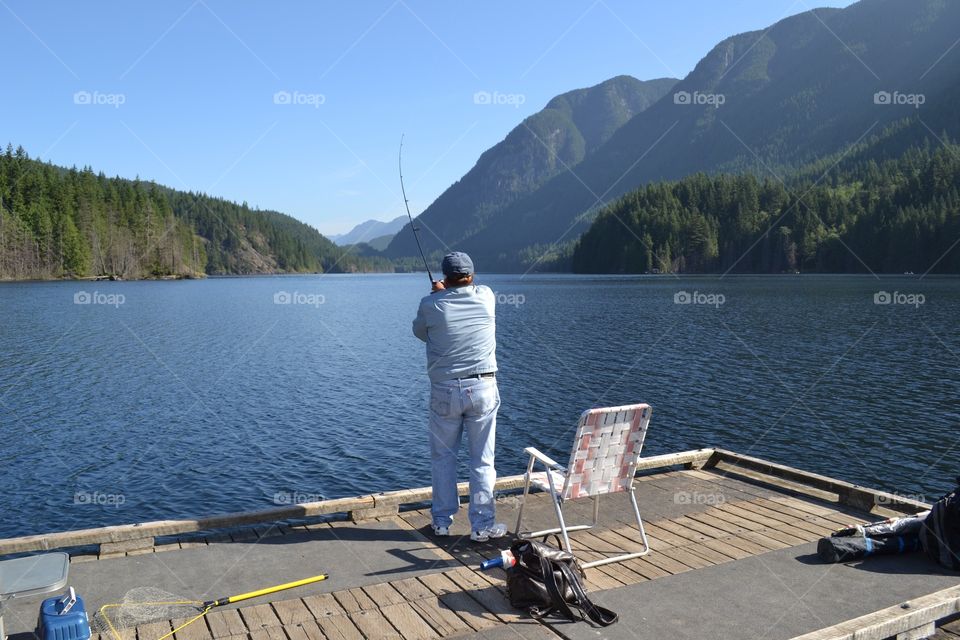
611,276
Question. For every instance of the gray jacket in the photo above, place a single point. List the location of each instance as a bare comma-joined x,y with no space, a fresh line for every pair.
459,327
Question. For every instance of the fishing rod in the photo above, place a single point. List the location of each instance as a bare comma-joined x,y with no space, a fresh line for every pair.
406,204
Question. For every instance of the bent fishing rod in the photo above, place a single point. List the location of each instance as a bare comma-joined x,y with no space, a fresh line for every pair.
406,204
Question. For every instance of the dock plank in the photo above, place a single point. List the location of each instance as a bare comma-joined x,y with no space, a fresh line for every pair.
443,621
589,548
684,556
452,597
224,623
666,563
646,568
734,516
259,616
727,549
339,627
660,537
697,524
412,589
790,522
292,612
759,539
843,516
408,622
305,631
491,598
383,594
727,527
154,630
354,600
373,624
771,528
268,633
332,620
196,630
691,536
323,605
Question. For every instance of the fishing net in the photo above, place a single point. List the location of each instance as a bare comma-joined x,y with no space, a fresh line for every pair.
146,606
153,614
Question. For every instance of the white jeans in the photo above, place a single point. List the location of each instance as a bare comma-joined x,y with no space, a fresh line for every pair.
456,405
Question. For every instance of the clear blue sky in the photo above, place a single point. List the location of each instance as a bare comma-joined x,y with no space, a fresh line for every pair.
198,79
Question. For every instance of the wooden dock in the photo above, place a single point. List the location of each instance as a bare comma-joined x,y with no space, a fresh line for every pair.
719,524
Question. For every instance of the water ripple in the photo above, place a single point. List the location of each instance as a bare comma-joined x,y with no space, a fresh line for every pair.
205,397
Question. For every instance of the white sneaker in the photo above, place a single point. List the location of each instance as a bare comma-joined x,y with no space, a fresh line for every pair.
441,531
495,531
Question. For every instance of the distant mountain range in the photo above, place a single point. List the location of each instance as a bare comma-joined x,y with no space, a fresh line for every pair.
375,233
569,129
882,74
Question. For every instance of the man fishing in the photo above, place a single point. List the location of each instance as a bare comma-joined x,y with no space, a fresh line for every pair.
457,322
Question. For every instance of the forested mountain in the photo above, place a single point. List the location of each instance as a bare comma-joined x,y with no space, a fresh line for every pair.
56,222
892,216
570,128
766,101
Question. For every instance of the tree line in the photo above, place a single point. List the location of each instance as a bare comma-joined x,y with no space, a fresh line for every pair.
57,222
894,215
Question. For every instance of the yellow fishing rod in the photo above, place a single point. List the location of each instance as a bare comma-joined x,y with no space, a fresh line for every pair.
165,610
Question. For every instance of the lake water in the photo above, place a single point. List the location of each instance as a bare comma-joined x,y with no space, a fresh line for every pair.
152,400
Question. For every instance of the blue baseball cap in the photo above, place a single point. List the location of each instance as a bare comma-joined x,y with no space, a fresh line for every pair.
457,263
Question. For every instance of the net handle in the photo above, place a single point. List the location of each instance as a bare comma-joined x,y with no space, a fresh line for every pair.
262,592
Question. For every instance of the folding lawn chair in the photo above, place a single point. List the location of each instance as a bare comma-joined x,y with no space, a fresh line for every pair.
604,459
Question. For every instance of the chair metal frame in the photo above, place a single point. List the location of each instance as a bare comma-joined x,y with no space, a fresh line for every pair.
639,425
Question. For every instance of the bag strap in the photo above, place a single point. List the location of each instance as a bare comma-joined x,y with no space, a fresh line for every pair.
550,581
600,615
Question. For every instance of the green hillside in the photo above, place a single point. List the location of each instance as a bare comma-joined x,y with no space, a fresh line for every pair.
894,216
57,222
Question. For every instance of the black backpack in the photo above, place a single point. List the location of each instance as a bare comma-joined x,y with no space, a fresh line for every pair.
940,534
546,580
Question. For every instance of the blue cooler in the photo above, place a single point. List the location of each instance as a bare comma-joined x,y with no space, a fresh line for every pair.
63,618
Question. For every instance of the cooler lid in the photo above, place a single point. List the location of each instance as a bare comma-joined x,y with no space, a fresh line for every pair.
33,575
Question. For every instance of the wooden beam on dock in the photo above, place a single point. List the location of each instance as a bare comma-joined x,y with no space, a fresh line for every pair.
912,619
854,495
140,537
